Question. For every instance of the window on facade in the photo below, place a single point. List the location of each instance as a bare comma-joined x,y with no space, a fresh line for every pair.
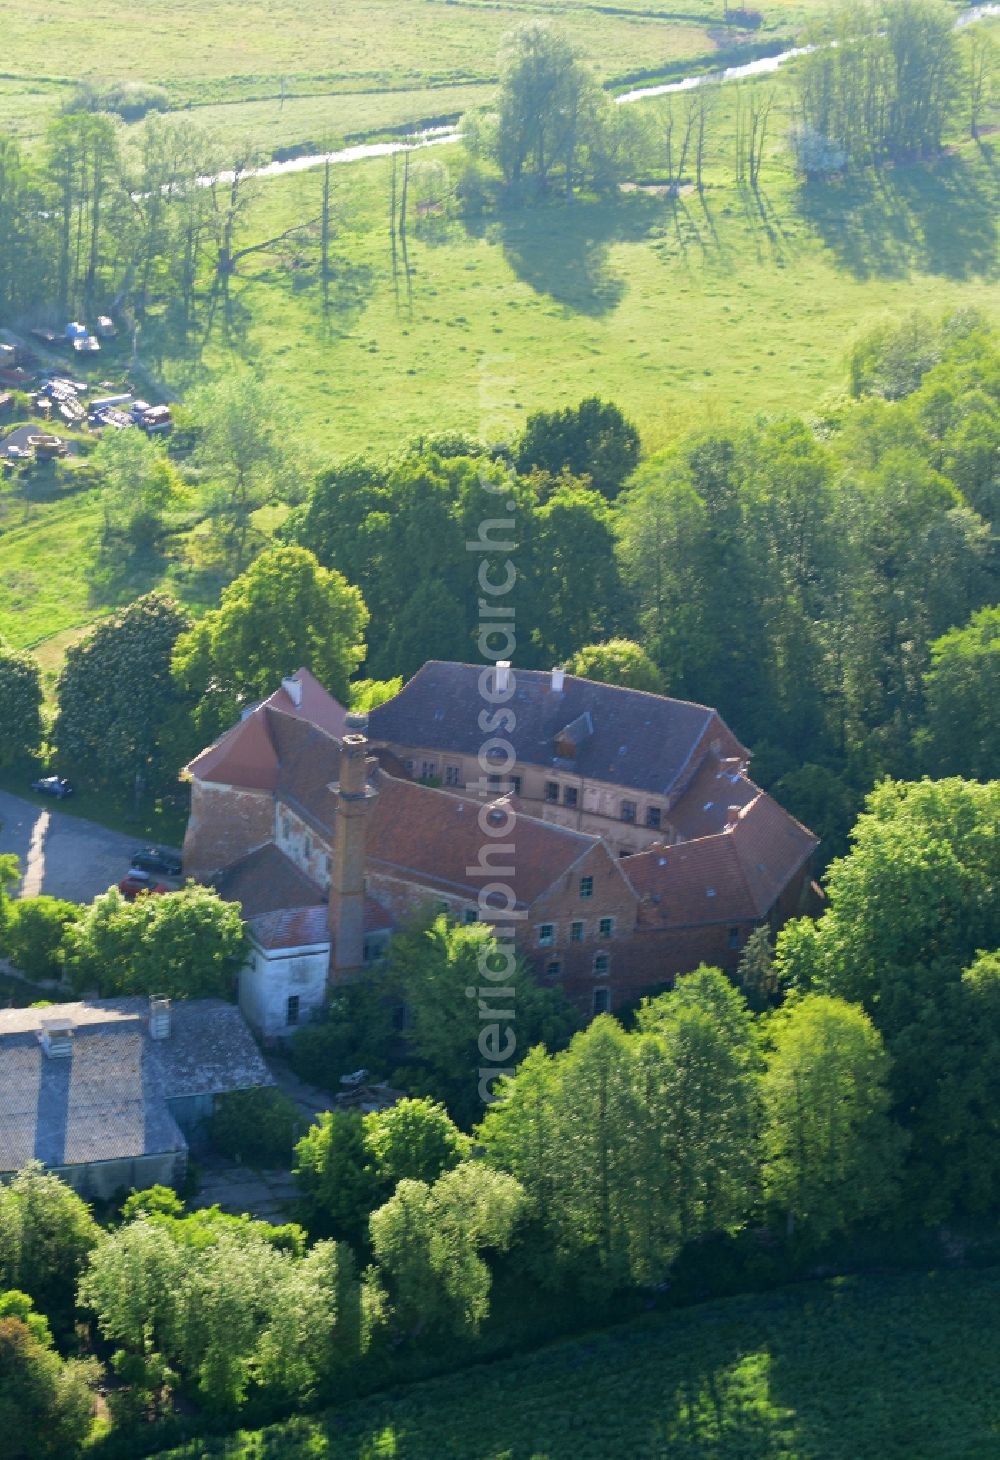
602,1001
374,950
307,846
286,827
569,795
428,769
586,886
654,817
546,934
628,811
552,790
576,932
505,784
292,1009
601,964
408,767
553,969
734,937
441,907
606,927
452,775
471,915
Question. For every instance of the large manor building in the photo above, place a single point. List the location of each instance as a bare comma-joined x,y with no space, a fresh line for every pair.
625,845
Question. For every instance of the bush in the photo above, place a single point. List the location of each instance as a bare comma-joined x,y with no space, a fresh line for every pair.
131,100
257,1126
34,934
817,156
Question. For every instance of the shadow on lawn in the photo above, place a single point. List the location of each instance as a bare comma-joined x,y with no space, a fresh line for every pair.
562,249
936,218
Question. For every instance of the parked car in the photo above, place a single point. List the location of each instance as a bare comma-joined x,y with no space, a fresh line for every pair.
56,786
154,859
136,882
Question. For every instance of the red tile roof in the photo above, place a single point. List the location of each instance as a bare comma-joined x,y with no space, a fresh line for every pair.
246,755
704,806
426,835
266,881
732,876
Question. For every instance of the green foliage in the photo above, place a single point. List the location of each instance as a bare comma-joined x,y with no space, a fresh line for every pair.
20,704
356,1032
117,698
152,1199
619,661
429,1243
14,1304
140,484
34,934
962,687
366,694
256,1126
887,85
285,610
593,439
245,1313
186,944
347,1165
830,1369
430,969
46,1234
239,448
831,1153
132,100
46,1405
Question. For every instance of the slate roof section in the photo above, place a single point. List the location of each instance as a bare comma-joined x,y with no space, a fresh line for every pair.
704,806
732,876
641,740
264,881
110,1098
426,835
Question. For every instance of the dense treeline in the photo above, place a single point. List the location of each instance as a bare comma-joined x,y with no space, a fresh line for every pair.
864,1096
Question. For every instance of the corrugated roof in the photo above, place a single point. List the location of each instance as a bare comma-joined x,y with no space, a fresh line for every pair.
638,739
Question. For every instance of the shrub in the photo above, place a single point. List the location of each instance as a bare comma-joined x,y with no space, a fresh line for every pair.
131,100
817,156
34,934
257,1126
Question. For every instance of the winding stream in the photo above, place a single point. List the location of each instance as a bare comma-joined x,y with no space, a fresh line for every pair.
438,136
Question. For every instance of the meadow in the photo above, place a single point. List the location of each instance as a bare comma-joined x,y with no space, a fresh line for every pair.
892,1368
688,311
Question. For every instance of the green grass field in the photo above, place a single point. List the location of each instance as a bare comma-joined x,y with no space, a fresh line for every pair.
872,1369
284,73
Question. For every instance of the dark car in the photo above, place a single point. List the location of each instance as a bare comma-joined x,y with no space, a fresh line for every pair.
137,882
153,859
56,786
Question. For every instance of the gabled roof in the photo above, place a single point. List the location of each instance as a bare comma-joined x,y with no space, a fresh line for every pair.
266,881
641,740
109,1098
729,877
430,836
247,755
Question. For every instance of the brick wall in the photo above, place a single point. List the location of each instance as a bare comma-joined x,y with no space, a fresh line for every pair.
225,823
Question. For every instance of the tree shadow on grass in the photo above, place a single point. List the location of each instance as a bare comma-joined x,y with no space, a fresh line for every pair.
935,218
562,249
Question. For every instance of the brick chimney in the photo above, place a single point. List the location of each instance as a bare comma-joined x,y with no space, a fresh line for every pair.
346,913
732,816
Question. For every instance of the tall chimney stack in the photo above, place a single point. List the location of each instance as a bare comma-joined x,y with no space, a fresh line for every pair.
346,913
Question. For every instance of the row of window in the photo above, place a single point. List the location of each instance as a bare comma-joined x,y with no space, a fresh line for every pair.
629,810
601,966
577,931
554,792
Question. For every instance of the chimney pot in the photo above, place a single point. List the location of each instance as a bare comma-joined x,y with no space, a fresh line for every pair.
558,675
732,816
293,689
159,1017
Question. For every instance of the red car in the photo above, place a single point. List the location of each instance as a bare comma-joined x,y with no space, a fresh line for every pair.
137,882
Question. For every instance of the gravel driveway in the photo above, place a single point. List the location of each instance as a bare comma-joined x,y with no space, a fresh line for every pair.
62,855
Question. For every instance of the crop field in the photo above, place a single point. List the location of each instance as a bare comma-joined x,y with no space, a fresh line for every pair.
874,1369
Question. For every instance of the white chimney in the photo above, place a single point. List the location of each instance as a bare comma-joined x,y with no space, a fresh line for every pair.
502,680
159,1017
558,675
293,689
56,1038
